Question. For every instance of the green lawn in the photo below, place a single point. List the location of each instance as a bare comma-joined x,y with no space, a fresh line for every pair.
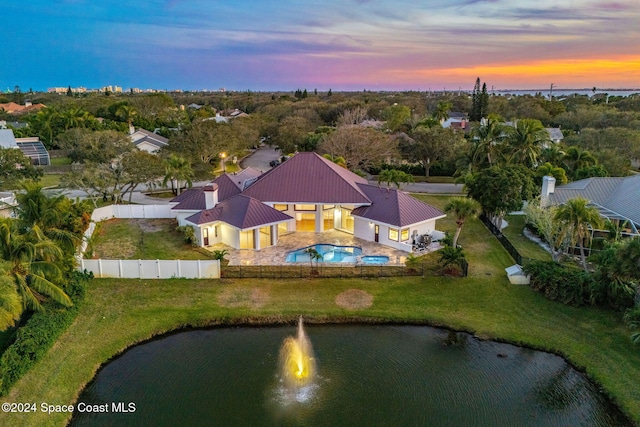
50,180
60,161
120,313
143,239
525,247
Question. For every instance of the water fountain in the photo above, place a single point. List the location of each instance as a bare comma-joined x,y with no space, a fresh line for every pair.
297,364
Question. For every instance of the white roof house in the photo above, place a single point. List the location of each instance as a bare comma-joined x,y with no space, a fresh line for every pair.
147,141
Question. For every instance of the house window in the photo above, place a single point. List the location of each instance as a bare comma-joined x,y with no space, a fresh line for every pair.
283,228
280,207
393,234
404,235
304,207
346,220
327,207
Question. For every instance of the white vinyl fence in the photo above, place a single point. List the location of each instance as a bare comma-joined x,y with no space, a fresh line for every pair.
152,269
132,211
142,269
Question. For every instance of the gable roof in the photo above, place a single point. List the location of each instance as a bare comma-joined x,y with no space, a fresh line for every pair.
394,207
618,195
555,134
309,178
231,184
240,211
142,135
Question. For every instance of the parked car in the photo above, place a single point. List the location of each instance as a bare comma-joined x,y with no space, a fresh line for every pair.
274,163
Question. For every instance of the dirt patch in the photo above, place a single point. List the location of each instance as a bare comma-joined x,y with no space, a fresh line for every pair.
243,297
154,225
122,249
353,299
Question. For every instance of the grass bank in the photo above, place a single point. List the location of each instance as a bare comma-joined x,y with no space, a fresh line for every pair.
119,313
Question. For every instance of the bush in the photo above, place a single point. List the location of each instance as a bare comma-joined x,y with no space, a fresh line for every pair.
189,234
39,333
556,282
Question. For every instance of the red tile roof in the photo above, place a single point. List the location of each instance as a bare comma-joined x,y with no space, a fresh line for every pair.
309,178
394,207
241,212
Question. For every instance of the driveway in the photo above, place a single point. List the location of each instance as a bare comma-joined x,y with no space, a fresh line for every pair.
260,158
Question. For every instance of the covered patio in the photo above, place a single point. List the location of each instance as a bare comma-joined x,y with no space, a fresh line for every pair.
275,255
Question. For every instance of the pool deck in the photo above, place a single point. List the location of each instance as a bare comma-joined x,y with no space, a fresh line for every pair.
275,255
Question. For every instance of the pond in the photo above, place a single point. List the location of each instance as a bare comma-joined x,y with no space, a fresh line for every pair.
365,375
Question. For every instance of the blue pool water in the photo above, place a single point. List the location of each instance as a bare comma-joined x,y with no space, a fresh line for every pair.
375,259
330,253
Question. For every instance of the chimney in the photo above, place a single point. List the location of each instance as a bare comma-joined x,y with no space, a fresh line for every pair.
210,195
548,188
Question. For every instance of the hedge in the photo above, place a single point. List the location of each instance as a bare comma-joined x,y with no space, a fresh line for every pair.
39,333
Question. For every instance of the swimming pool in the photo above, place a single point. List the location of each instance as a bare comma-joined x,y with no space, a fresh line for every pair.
375,259
330,253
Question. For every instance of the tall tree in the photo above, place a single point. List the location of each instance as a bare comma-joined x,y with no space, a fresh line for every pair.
177,169
394,176
501,189
360,147
578,220
524,142
442,111
476,103
430,145
487,138
463,209
14,167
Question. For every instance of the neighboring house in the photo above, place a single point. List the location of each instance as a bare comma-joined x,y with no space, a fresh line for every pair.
13,108
233,114
555,134
147,141
456,121
617,198
7,202
30,147
307,193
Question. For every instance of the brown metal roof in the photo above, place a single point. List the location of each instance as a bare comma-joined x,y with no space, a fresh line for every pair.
240,211
394,207
309,178
190,200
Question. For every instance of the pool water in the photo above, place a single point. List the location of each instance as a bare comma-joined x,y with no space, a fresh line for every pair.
330,253
375,259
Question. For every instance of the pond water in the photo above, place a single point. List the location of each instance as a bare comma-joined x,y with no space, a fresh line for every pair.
365,376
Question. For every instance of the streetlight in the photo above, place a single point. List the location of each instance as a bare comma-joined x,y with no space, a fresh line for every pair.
223,156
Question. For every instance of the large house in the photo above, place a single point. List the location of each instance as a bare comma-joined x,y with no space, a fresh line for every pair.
616,199
307,193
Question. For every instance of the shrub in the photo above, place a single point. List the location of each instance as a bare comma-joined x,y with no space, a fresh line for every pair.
39,333
556,282
189,234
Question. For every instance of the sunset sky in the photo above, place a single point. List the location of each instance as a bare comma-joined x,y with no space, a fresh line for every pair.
338,44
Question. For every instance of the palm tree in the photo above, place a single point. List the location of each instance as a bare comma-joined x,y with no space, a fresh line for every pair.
74,117
442,111
126,113
549,170
463,208
576,158
10,304
451,256
32,265
397,177
486,140
314,255
525,141
577,219
177,169
36,208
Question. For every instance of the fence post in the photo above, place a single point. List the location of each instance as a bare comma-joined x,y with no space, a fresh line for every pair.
158,269
120,271
100,267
